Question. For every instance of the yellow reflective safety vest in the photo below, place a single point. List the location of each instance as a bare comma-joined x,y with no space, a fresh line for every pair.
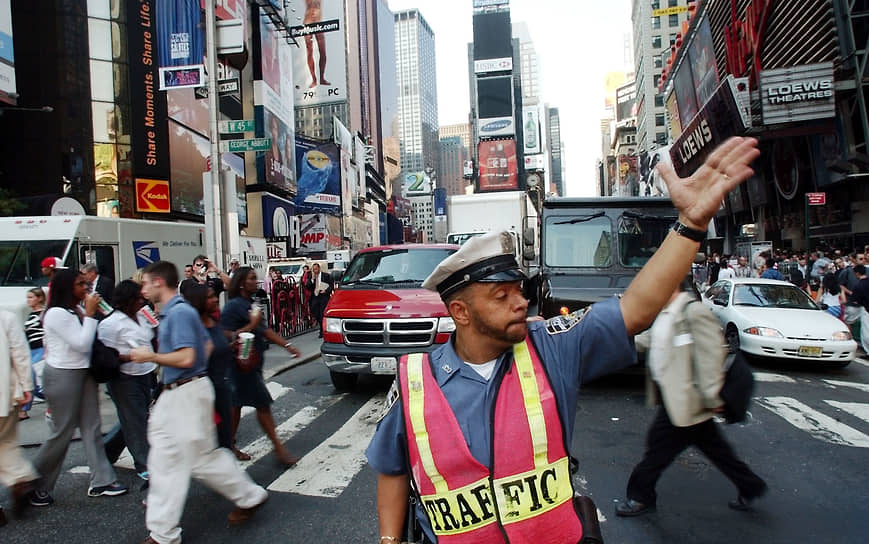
527,495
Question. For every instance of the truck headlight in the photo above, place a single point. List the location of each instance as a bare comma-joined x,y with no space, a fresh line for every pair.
333,324
841,336
764,331
446,324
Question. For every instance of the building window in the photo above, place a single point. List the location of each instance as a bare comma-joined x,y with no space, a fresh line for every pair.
674,20
656,42
672,38
659,119
656,23
661,138
672,3
656,4
659,100
657,60
657,79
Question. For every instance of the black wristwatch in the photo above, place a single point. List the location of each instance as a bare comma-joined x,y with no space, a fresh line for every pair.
688,232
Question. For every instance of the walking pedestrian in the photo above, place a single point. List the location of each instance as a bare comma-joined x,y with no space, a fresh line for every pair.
320,285
686,360
122,330
487,417
239,316
726,271
33,330
16,386
742,270
181,427
219,363
70,391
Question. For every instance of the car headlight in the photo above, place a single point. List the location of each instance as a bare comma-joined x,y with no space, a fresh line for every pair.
764,331
333,324
841,336
446,324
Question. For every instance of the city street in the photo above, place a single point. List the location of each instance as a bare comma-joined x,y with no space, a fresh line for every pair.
808,437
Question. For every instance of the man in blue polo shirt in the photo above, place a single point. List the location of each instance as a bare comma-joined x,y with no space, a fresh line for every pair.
181,429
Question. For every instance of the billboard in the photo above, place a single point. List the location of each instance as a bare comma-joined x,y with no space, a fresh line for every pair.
417,183
349,182
273,114
686,98
495,97
440,201
492,35
799,93
703,67
7,55
276,216
319,175
498,170
319,233
673,116
319,61
180,43
532,133
626,102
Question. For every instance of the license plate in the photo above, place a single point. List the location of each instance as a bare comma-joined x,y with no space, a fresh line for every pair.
810,351
384,365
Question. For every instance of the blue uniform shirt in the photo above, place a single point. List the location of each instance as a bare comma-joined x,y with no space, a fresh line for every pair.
573,351
180,327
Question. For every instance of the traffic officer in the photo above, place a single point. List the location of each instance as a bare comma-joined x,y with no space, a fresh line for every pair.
490,414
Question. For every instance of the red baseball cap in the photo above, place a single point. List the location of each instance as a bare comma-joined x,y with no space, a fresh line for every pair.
53,262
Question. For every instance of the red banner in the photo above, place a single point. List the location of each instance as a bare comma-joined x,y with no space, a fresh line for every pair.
498,170
152,195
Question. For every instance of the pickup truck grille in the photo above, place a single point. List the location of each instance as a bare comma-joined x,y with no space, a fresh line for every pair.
389,332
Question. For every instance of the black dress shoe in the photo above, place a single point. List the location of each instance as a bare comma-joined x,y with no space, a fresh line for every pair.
631,508
741,503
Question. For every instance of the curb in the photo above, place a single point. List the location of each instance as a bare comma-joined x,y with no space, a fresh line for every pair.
294,362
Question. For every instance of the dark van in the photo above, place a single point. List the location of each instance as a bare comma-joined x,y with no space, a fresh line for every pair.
591,248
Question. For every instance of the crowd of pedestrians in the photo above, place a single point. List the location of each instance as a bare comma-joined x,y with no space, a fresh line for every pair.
184,373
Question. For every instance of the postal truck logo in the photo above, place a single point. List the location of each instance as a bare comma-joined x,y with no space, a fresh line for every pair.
495,126
145,253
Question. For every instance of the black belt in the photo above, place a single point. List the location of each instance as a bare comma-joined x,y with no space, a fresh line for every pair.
178,383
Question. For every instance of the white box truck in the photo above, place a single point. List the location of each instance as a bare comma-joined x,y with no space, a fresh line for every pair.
117,246
475,214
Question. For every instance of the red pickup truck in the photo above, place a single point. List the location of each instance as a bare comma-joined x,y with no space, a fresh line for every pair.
379,311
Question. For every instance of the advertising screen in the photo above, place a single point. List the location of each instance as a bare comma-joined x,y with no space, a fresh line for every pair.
703,68
190,151
531,130
180,41
673,116
440,201
492,35
417,183
498,170
276,216
319,62
626,99
685,96
319,233
277,163
7,57
319,175
495,97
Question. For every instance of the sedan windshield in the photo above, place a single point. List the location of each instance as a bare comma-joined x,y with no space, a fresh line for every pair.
772,296
396,266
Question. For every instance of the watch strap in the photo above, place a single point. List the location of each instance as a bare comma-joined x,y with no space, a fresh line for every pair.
692,234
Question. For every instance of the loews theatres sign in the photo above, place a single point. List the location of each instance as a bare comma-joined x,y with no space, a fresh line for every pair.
800,93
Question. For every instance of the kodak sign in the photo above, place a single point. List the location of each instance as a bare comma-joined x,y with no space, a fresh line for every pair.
152,196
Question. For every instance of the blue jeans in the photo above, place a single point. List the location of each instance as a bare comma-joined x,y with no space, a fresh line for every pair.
132,398
36,355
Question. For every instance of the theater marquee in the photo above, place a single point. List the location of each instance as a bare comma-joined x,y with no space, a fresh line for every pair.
799,93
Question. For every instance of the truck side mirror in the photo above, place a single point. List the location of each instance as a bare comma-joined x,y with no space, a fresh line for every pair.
528,236
528,253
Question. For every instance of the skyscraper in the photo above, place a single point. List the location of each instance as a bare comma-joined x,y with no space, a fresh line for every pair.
529,65
553,123
417,92
656,25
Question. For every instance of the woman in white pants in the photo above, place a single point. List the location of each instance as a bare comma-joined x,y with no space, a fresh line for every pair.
71,392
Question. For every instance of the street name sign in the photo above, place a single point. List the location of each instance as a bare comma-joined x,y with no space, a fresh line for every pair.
235,126
254,144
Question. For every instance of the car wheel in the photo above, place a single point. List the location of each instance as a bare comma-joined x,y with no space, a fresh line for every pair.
732,337
343,381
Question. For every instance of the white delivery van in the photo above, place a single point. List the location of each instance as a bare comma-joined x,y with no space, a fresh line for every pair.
117,246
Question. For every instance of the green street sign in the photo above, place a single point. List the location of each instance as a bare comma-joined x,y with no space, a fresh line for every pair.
235,127
253,144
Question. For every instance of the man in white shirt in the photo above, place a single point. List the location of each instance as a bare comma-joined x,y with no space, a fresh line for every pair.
742,270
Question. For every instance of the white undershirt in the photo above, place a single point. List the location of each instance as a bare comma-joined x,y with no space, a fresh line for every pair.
484,369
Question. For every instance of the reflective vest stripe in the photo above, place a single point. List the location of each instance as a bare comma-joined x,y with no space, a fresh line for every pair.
416,401
533,406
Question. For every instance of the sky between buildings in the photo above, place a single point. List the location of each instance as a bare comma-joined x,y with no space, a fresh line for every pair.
577,41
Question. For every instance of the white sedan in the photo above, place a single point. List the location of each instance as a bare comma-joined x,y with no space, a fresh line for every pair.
771,318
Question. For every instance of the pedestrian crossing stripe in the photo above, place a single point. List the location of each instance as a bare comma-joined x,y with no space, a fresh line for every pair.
329,468
855,385
857,409
815,423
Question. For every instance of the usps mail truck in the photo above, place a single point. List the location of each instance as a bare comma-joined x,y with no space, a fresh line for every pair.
117,246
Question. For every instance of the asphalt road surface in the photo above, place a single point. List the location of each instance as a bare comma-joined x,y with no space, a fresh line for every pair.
808,438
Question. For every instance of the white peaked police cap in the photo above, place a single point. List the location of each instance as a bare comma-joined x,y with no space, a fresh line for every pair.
486,258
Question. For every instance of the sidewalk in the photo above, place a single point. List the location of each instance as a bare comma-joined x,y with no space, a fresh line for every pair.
34,431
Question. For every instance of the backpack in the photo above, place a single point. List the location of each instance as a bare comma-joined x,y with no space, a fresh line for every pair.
105,362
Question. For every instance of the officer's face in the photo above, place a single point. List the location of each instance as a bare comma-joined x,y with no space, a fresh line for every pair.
499,311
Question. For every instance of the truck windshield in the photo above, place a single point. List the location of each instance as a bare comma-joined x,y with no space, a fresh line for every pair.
287,269
394,266
640,236
20,262
581,242
461,237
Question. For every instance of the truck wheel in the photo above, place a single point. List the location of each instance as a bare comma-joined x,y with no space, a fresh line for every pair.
343,381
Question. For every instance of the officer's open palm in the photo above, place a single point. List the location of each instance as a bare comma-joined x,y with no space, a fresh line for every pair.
698,197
